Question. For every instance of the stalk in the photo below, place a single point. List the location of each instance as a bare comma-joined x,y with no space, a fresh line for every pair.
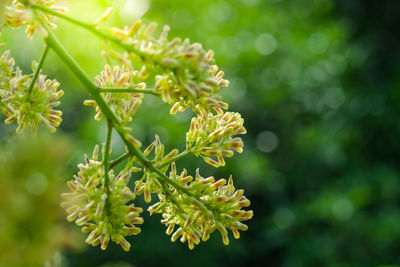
128,90
90,28
92,89
37,72
106,164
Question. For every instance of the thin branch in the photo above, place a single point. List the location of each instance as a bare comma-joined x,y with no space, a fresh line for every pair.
118,160
90,28
177,157
107,164
128,90
37,72
92,89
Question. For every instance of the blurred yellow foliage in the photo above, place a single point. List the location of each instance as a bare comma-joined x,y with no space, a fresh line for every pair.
32,175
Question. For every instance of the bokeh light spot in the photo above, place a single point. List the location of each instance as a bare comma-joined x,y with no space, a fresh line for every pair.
318,43
334,97
134,9
36,184
284,218
265,44
220,11
267,141
342,209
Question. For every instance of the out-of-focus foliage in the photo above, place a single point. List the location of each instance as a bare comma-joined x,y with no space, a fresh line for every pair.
33,227
317,82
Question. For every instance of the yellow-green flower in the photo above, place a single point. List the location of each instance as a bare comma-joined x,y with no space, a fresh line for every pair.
19,13
101,209
124,105
214,205
6,70
185,73
28,108
212,136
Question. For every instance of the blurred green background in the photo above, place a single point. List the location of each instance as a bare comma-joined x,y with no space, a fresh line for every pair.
318,83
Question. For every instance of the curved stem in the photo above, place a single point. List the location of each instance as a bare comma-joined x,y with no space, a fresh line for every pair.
92,89
128,90
37,72
90,28
106,164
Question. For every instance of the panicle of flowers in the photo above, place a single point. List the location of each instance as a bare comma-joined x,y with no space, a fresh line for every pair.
18,13
214,205
212,136
186,74
6,74
7,64
28,108
103,210
124,105
149,183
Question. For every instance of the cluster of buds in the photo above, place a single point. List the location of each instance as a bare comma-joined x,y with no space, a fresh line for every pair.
19,13
159,152
28,107
149,183
7,64
186,74
100,207
212,137
213,205
124,105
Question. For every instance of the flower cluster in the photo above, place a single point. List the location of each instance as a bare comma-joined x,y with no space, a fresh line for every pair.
102,209
124,105
159,152
186,74
149,183
212,137
28,107
211,206
7,64
18,13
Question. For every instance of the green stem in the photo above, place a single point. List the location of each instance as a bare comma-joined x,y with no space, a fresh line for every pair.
177,157
90,28
128,90
127,47
55,44
118,160
106,164
37,72
92,89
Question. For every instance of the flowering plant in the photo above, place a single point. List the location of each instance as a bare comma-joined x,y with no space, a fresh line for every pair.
184,76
